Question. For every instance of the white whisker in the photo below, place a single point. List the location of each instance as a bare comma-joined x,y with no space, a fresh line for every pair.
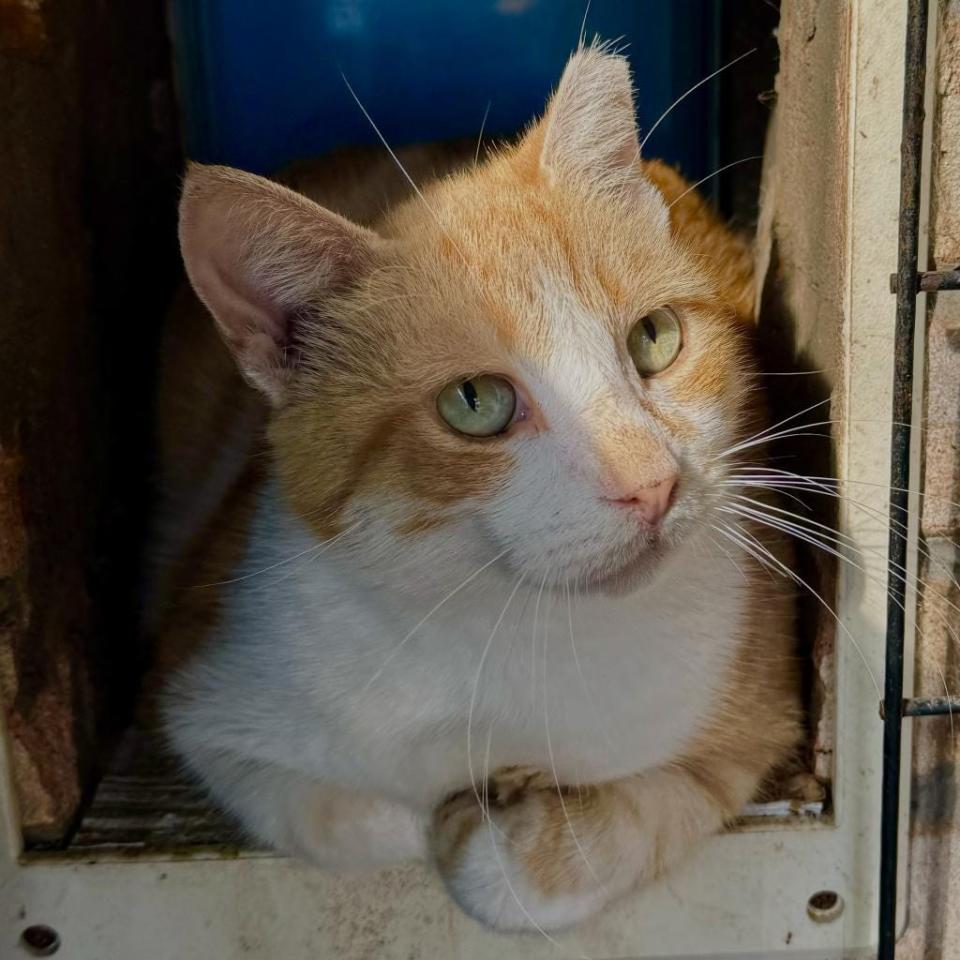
476,687
316,549
823,542
666,113
946,693
774,426
403,171
473,576
753,546
814,485
729,556
533,652
710,176
503,872
803,524
583,24
553,767
583,680
799,430
863,483
483,124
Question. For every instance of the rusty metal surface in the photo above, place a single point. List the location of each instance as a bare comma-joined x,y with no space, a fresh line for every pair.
931,707
87,229
931,281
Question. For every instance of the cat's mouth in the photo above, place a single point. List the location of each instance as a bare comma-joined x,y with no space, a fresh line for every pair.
639,562
634,571
624,569
612,559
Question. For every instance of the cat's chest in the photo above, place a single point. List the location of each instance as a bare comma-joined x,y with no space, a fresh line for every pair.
595,689
416,694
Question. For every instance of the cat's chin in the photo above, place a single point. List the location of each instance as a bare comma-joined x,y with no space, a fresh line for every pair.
638,571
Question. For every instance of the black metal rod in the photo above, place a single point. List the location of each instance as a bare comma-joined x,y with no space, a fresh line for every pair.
931,707
911,146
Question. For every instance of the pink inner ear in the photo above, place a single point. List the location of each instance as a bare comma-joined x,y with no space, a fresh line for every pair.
255,253
254,325
270,326
261,352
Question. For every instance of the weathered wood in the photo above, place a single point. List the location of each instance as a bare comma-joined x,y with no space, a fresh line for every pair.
87,255
146,801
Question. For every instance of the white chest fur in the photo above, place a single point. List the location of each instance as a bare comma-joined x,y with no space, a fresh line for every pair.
331,670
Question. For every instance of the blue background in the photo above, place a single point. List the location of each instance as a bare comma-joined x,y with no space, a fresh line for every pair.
260,82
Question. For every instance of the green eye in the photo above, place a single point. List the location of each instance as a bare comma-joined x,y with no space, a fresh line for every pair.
655,341
481,407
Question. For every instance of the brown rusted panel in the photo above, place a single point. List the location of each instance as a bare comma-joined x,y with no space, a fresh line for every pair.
86,248
22,27
13,536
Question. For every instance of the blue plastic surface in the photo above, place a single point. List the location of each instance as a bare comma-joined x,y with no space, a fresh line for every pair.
260,82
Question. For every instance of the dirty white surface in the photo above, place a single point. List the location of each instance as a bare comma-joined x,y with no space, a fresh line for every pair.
745,894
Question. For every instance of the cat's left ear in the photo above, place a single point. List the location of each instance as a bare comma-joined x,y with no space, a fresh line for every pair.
262,259
590,132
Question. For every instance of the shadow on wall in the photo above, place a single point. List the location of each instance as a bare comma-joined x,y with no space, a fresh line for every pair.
794,384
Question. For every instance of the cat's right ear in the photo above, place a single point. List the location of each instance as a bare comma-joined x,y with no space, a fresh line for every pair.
589,135
256,254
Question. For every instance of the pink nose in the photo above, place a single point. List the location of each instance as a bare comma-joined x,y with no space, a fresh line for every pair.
651,503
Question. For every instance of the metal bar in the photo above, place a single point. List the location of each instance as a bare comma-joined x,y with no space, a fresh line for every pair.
931,281
931,706
911,145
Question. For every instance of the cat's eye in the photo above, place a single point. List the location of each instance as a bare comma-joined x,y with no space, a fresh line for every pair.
655,341
482,406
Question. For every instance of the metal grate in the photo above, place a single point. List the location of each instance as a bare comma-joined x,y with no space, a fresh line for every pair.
907,283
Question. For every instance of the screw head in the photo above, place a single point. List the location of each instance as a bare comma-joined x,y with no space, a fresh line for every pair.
825,906
40,940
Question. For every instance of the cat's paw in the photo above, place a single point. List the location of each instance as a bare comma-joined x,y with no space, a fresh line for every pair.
804,787
520,866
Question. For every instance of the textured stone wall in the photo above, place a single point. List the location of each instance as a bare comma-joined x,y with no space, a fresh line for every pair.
934,931
86,207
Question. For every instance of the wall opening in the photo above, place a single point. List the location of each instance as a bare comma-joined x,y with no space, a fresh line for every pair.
89,777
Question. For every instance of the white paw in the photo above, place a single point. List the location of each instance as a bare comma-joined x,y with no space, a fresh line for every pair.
517,868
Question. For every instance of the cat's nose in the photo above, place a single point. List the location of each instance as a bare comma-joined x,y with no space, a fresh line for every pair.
651,503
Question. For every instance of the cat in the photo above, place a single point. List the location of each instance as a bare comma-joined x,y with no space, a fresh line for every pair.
443,578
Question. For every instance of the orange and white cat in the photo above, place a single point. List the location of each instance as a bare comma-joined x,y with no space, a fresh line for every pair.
445,581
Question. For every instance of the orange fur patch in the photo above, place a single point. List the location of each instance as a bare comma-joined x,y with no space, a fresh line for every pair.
462,295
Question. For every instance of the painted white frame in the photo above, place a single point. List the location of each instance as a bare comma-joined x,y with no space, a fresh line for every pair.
745,894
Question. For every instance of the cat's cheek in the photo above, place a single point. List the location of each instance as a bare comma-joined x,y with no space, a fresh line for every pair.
711,428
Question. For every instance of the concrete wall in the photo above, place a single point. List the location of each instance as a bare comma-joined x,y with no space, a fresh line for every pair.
802,259
801,251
